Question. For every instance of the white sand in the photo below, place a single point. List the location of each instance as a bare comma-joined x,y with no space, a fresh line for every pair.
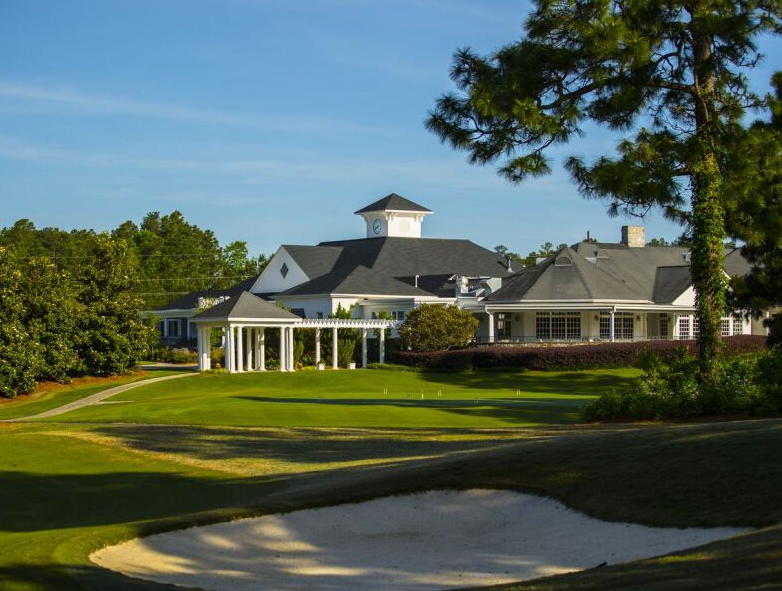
434,540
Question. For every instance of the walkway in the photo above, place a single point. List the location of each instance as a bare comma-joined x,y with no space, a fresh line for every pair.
93,399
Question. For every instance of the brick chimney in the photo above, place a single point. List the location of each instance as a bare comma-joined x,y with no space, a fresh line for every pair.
634,236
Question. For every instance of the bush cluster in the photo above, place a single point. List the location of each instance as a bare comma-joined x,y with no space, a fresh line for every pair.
176,355
745,384
55,324
565,357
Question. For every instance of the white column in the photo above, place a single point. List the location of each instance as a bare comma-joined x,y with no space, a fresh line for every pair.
283,347
257,349
200,347
364,347
491,327
292,360
611,324
240,349
207,347
317,346
334,345
262,350
229,359
250,332
382,356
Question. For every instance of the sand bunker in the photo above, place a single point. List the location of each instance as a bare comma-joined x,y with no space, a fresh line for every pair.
422,542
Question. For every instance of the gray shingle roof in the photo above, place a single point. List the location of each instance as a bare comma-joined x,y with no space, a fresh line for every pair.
670,283
652,273
565,276
736,264
394,202
314,260
407,257
245,305
190,300
355,280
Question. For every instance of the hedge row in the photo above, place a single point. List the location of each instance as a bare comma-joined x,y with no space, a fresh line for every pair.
570,356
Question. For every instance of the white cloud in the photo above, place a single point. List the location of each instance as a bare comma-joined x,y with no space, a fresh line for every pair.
104,105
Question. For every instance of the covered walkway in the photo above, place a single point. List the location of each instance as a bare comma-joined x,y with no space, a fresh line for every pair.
243,321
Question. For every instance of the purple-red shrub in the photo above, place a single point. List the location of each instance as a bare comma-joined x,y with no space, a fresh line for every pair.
568,356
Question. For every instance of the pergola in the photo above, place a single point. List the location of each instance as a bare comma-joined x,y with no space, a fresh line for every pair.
243,320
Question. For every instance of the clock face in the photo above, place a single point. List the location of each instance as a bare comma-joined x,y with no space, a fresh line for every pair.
376,226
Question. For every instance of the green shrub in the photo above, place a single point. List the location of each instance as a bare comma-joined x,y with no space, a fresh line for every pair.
392,367
432,327
217,355
345,351
671,389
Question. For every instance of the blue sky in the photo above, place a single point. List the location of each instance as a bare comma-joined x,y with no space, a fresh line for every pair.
269,121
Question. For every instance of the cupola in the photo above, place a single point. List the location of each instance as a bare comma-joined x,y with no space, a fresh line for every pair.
393,216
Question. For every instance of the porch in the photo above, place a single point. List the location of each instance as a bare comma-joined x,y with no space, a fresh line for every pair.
530,326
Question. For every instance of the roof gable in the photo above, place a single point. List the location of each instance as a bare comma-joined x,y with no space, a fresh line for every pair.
564,276
394,202
245,305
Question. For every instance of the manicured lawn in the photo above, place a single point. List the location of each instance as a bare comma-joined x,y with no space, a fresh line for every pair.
362,398
69,489
63,394
212,447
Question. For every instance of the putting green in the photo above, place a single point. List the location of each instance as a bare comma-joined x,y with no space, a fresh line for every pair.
361,398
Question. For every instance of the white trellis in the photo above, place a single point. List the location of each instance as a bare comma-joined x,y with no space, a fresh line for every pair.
244,340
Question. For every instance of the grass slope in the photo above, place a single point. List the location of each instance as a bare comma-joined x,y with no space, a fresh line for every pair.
70,489
357,399
61,394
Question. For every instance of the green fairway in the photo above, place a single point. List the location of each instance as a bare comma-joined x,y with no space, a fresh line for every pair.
213,447
362,398
30,405
69,489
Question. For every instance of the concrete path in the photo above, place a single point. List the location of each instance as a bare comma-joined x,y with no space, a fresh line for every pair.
94,398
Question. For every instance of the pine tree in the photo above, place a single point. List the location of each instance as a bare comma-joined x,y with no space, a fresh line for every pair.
673,74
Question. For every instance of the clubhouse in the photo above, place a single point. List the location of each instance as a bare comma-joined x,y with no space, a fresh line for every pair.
585,292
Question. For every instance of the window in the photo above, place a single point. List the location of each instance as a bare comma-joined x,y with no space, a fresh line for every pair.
398,315
738,326
319,315
543,325
624,325
558,325
173,329
284,270
664,325
725,327
503,327
684,327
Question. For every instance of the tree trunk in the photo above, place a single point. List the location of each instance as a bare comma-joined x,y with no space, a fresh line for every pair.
708,275
708,226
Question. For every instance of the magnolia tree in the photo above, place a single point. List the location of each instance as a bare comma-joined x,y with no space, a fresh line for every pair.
435,328
671,75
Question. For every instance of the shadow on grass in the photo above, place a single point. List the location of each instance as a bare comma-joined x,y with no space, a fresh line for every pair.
580,383
291,445
749,562
33,502
520,411
54,577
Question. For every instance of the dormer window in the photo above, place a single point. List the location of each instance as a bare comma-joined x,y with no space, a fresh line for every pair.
563,261
284,270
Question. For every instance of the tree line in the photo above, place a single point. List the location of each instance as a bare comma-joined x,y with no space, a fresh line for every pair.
171,256
71,302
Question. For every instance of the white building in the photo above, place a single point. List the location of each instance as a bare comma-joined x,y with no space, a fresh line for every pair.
587,292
